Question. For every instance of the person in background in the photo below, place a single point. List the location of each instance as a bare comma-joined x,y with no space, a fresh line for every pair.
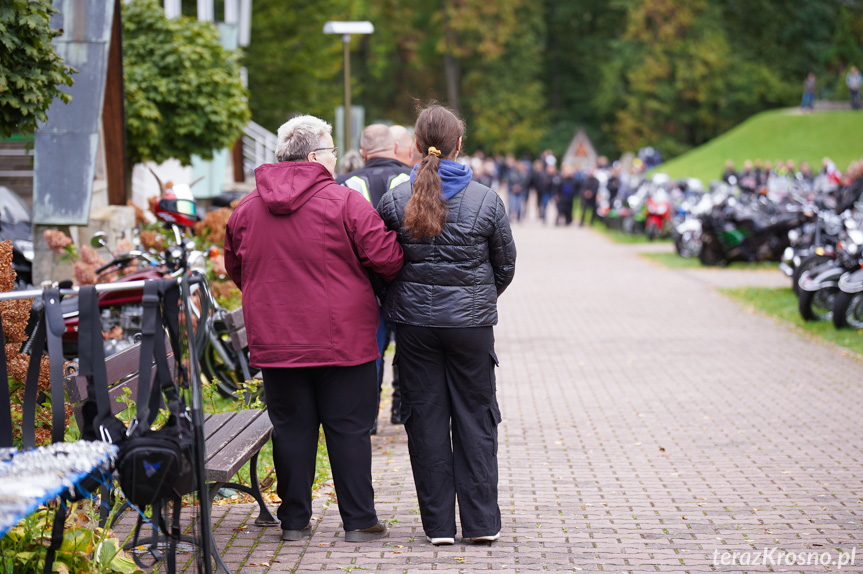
729,173
384,150
351,161
569,188
300,247
853,81
460,258
588,196
538,181
758,173
403,146
518,179
808,101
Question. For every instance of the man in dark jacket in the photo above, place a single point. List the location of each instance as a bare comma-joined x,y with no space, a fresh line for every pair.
382,171
299,247
384,150
588,196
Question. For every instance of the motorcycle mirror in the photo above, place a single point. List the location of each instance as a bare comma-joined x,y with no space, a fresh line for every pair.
98,240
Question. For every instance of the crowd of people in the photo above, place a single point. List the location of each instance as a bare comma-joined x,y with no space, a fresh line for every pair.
781,175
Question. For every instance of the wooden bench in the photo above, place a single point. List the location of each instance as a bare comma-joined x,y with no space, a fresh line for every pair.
232,438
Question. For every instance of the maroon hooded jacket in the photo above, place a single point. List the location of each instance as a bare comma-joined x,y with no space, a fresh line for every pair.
298,247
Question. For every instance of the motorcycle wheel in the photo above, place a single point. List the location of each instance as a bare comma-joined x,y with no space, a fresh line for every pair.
817,305
805,265
213,367
652,231
848,310
711,252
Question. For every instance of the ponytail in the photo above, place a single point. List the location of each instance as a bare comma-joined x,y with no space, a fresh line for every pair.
437,133
425,212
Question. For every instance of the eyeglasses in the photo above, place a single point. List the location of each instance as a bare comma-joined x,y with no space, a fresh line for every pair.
335,150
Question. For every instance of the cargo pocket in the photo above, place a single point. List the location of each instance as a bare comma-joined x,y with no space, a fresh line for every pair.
493,362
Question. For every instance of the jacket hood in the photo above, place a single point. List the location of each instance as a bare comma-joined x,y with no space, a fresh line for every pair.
286,186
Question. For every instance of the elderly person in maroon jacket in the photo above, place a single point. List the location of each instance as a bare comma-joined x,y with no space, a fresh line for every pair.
300,248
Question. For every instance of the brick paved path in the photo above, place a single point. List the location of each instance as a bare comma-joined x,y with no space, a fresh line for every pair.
650,424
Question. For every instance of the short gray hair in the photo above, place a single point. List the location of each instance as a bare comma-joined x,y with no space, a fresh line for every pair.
299,136
376,139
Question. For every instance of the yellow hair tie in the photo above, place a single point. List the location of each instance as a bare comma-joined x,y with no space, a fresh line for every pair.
434,151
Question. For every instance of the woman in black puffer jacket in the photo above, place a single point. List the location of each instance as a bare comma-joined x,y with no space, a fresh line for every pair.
459,258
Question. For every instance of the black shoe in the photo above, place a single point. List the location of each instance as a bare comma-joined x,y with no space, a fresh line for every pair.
379,530
294,535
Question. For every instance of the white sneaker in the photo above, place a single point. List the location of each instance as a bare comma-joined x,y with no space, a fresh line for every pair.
489,538
440,541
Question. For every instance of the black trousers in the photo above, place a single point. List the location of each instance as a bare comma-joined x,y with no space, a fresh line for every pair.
447,380
342,399
588,205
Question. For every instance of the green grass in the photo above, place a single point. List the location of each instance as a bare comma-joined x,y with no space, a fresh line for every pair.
776,135
675,261
782,303
620,237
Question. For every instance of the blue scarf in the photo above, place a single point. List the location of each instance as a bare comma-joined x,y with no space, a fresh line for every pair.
453,175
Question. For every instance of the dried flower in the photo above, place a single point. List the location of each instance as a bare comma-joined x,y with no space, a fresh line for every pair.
7,274
15,315
214,224
90,257
152,240
140,214
57,240
83,273
123,245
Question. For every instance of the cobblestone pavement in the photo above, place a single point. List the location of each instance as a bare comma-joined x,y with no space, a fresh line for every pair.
650,425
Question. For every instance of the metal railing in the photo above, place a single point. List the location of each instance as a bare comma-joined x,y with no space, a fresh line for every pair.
259,146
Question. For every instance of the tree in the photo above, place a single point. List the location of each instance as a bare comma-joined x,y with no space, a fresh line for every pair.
293,67
30,69
503,89
184,95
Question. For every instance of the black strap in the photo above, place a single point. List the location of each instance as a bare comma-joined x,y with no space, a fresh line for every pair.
55,329
151,324
91,345
177,505
5,398
56,535
28,416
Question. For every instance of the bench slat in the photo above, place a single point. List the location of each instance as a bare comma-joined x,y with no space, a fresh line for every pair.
229,429
225,464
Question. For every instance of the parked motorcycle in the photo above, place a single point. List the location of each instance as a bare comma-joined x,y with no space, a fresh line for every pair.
658,217
748,231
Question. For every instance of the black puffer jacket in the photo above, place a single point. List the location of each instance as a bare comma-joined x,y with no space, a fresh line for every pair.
455,278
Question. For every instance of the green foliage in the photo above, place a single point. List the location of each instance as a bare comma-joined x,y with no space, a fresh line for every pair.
776,135
184,95
504,95
526,75
30,70
294,68
86,548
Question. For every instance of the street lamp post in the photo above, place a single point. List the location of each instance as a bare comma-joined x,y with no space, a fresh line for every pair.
346,29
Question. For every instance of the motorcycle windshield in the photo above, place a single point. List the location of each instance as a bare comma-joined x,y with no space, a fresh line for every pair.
12,209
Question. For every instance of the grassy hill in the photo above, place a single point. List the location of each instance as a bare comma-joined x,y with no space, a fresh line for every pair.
776,135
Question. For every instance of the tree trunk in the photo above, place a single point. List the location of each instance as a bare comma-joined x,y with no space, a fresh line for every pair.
451,67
